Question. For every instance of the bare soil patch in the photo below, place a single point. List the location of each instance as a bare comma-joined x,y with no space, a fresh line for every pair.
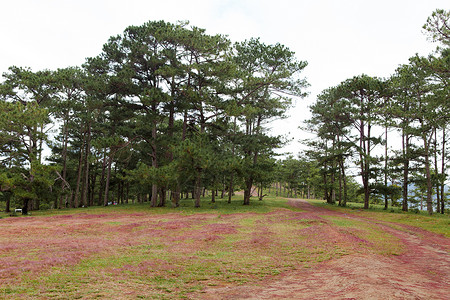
421,272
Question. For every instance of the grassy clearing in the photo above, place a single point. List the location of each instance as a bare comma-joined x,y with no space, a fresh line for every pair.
436,223
186,207
134,251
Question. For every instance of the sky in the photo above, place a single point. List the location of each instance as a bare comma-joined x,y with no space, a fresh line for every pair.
339,39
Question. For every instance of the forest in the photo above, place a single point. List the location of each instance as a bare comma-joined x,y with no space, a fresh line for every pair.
167,111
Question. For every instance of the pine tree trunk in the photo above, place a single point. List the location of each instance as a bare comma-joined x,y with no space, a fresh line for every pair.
92,187
108,177
405,154
428,177
41,140
8,201
84,193
231,188
436,171
63,196
325,190
386,168
154,198
198,188
340,189
366,167
248,190
366,194
162,197
154,195
176,196
364,156
443,155
76,202
344,182
102,180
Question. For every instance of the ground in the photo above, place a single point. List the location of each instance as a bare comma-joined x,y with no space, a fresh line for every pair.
421,272
268,250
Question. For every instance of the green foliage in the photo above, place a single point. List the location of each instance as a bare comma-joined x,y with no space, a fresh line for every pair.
267,75
437,26
348,119
168,107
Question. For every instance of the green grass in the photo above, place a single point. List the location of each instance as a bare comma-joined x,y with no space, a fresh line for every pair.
437,223
186,207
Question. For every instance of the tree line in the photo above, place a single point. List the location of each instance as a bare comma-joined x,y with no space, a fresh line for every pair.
164,110
392,130
167,111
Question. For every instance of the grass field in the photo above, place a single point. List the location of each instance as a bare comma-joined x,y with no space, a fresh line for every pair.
437,223
134,251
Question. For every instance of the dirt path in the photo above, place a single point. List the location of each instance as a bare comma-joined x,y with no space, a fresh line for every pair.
421,272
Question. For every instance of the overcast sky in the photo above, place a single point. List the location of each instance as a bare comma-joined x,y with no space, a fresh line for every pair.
339,39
